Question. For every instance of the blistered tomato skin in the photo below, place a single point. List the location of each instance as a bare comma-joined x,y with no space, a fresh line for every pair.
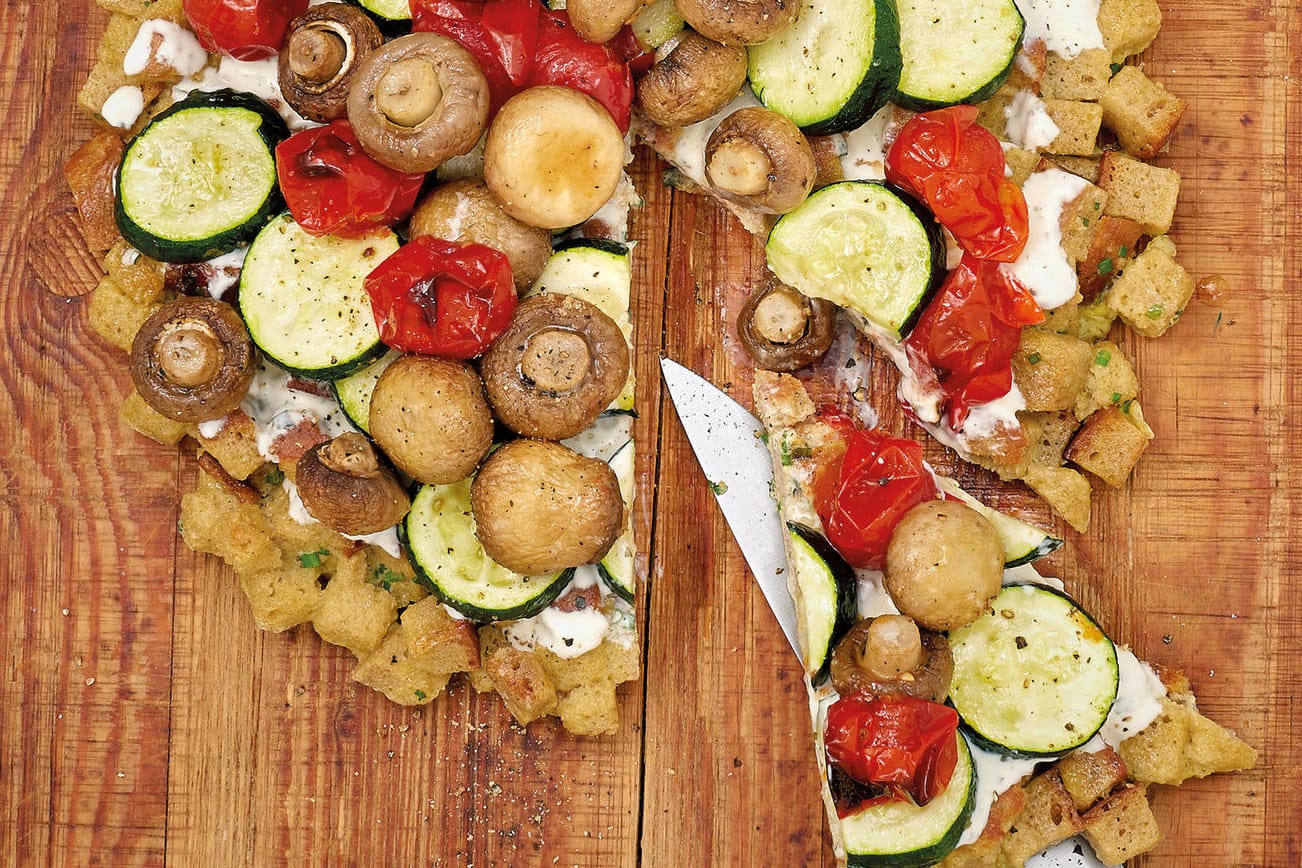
332,187
442,298
242,29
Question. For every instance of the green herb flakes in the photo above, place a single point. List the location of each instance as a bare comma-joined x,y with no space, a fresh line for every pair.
1105,266
420,695
1155,312
1102,357
312,560
1033,359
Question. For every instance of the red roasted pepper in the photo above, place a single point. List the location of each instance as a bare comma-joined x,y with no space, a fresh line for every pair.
442,298
243,29
862,494
333,188
957,168
900,743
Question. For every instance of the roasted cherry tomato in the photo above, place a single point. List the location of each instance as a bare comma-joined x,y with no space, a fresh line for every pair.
965,339
568,59
957,168
243,29
442,298
900,743
333,188
862,494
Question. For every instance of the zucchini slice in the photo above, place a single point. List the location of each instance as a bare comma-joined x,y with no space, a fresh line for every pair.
303,298
657,23
832,69
1034,676
903,835
388,11
617,568
863,246
201,178
599,272
354,391
955,51
439,534
826,596
1023,543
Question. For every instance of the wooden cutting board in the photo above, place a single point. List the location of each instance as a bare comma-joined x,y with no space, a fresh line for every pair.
144,719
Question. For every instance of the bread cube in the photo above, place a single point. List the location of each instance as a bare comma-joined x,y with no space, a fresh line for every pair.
1065,490
590,709
1082,77
1140,192
141,278
1051,369
1084,167
1049,816
114,315
1064,319
354,613
144,419
519,678
1094,320
449,644
282,598
1022,163
235,445
169,9
1047,436
1089,776
1152,292
1111,382
1107,445
1122,827
1080,222
405,680
1078,126
216,521
1141,112
1156,754
1128,26
1111,248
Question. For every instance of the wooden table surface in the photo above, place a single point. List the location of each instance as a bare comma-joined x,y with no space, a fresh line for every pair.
144,719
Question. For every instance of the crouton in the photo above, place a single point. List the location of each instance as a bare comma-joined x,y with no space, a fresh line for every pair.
282,598
1111,248
353,613
1141,112
169,9
144,419
1082,77
404,679
1078,126
1152,293
235,445
1050,369
1123,826
141,278
1094,320
1140,192
1080,221
521,681
1111,382
1108,446
116,316
1063,319
1084,167
1128,26
1049,816
90,173
216,521
1089,776
1065,490
1022,163
1047,436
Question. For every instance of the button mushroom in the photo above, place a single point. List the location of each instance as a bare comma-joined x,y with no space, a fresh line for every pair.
418,100
600,20
889,655
739,22
693,81
944,564
559,364
192,360
540,507
342,483
466,210
759,158
430,417
322,52
783,329
553,156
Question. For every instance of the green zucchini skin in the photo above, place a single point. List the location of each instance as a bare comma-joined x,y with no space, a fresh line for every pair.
241,228
392,16
1034,676
955,51
821,573
801,72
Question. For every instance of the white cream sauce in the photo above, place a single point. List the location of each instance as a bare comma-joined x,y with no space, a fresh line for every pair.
1028,123
225,271
983,420
689,144
1043,267
1066,27
865,148
258,77
872,599
123,107
177,48
603,438
275,408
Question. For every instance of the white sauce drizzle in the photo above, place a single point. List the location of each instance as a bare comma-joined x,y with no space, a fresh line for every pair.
1066,27
865,148
225,271
258,77
1029,125
123,107
1043,267
689,143
983,420
178,48
275,408
872,599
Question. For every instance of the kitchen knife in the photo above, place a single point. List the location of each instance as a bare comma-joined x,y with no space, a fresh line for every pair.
728,444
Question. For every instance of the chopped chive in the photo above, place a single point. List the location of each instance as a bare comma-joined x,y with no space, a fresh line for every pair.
1102,357
420,695
1123,251
1116,397
1105,266
312,559
275,476
1155,312
1033,359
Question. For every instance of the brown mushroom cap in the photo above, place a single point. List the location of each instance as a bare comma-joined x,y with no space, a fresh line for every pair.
889,655
322,52
192,360
760,158
739,22
600,20
418,100
693,81
541,507
559,364
342,483
944,564
429,416
783,329
466,210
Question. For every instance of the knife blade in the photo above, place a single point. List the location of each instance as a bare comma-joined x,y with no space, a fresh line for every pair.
728,444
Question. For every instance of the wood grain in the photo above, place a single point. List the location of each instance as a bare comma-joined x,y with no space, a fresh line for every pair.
144,719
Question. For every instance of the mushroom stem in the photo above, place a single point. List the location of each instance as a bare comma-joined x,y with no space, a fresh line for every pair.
892,648
318,52
409,92
782,317
741,167
350,454
556,360
189,354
